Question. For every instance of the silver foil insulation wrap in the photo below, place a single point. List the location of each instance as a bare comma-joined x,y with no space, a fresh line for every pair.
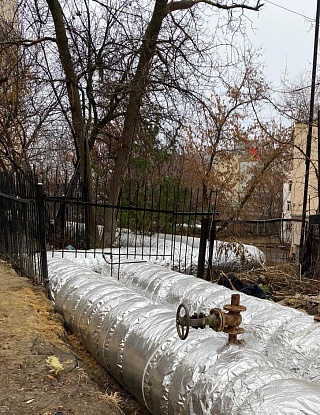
134,337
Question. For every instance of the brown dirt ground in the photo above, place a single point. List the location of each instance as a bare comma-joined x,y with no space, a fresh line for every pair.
30,331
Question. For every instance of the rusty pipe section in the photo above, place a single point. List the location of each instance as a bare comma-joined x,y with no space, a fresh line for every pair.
135,339
218,320
232,319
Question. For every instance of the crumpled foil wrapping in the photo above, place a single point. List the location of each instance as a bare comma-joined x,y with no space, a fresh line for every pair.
288,336
135,338
178,252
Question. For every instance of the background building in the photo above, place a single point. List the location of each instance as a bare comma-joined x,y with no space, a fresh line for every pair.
294,189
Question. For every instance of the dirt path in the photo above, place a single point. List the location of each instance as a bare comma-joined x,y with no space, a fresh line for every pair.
30,332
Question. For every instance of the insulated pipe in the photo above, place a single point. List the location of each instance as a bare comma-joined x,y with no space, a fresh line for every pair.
289,336
179,252
282,333
135,339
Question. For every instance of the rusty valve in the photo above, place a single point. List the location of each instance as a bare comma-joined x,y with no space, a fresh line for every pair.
217,319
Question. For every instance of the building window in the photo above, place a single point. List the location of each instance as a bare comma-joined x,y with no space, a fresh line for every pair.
288,206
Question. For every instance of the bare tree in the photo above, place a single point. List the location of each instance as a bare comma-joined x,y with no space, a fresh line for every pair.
119,65
138,86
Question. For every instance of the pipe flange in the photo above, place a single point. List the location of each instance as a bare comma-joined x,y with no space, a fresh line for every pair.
233,330
235,308
220,316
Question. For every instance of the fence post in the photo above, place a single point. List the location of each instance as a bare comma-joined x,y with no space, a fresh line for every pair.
42,236
212,237
202,247
62,223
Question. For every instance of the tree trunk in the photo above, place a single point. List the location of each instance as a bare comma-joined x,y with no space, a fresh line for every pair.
78,123
137,91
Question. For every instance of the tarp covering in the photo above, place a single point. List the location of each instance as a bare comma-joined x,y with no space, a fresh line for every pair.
135,338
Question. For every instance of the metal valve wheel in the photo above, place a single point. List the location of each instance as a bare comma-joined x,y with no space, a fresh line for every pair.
183,321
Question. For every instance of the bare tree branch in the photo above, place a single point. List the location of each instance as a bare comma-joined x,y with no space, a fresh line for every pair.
187,4
28,42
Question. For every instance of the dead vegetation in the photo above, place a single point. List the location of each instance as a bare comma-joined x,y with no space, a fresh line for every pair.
284,285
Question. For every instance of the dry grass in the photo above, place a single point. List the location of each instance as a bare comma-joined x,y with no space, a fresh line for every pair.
285,285
112,398
82,375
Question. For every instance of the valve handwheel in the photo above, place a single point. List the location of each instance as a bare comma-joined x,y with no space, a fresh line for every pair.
183,321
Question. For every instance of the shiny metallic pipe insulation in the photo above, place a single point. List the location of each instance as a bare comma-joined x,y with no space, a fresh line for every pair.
288,336
135,339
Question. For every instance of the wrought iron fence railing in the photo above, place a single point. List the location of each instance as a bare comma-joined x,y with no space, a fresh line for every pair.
171,226
22,225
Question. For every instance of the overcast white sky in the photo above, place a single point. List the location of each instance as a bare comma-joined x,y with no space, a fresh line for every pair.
286,37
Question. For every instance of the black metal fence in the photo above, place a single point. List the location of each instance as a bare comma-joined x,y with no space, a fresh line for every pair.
22,225
161,224
310,256
167,224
